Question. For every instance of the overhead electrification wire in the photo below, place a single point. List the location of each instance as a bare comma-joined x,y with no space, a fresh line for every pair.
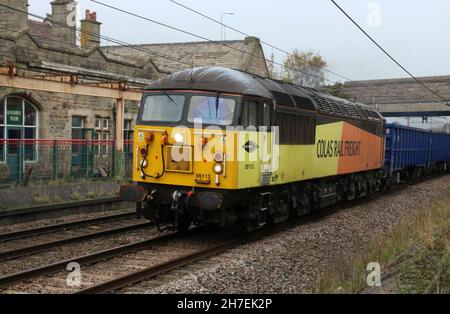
262,41
389,55
202,37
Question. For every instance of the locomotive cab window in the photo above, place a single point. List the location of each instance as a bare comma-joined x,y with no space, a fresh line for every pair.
164,108
212,110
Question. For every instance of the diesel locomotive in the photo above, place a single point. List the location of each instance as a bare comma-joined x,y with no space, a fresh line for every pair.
224,147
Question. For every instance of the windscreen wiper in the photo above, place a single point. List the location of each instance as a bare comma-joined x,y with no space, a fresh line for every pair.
171,99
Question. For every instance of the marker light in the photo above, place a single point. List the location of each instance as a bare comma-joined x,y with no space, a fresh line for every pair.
179,138
164,139
149,137
143,151
218,168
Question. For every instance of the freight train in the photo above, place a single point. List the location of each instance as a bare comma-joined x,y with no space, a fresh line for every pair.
224,147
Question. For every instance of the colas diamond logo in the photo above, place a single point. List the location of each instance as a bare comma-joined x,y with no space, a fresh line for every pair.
250,146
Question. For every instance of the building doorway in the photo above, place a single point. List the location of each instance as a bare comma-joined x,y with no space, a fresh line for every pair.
82,151
18,122
14,152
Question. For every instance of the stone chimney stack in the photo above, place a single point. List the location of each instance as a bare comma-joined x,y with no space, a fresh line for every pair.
12,22
64,21
90,30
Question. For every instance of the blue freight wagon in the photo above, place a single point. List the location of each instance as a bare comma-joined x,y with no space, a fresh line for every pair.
412,152
440,152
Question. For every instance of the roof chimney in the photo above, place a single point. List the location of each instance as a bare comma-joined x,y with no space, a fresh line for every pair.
64,18
13,22
90,30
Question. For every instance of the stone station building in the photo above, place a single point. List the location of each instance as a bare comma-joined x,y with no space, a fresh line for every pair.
51,52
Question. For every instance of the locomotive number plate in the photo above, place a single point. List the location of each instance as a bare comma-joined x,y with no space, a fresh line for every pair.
202,178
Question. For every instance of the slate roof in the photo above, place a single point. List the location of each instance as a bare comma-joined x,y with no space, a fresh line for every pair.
41,31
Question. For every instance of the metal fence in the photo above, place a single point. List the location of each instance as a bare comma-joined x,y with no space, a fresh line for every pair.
23,161
128,149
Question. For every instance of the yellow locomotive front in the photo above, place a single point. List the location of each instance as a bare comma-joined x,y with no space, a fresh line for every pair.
185,161
186,152
184,164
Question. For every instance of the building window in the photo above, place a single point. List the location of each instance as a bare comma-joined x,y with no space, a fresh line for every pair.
128,130
78,128
18,121
97,123
101,136
78,133
78,122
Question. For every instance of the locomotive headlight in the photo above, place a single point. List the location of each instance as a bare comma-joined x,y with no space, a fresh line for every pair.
218,168
179,138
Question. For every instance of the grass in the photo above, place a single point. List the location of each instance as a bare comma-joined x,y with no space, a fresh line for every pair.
92,194
75,196
426,237
40,199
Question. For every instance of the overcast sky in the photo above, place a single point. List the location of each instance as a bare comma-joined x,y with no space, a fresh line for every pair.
413,31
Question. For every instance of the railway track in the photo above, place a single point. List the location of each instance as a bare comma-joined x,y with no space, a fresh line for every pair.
159,269
135,264
142,263
33,213
17,244
9,236
120,260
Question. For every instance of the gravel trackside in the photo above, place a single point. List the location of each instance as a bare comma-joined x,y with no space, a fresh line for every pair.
293,261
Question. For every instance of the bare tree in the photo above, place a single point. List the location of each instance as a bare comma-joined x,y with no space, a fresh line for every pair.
273,73
304,68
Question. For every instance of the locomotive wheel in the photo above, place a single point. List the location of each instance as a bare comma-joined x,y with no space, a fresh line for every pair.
183,224
255,224
281,213
304,207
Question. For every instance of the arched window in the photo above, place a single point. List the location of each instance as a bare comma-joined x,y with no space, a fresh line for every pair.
18,120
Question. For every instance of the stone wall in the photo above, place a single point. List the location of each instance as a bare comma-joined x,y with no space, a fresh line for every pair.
246,55
56,111
393,91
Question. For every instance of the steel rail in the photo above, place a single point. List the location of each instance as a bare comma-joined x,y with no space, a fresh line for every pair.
7,255
85,259
4,237
54,207
159,269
